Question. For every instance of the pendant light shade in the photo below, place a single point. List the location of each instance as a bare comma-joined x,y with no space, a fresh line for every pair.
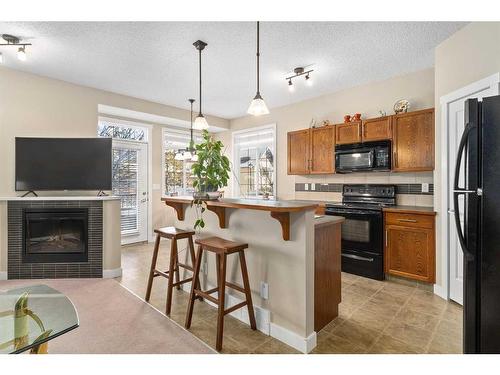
258,107
200,123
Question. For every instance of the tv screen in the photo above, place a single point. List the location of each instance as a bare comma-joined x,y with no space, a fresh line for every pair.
63,164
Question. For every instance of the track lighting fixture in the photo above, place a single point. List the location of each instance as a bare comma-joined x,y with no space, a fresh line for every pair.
14,41
200,123
300,71
258,106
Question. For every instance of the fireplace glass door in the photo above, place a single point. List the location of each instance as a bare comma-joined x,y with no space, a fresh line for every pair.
55,235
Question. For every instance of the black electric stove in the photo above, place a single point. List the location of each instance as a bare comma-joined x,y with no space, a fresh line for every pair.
362,230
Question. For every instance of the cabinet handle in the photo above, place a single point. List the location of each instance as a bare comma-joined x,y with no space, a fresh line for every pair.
386,237
408,220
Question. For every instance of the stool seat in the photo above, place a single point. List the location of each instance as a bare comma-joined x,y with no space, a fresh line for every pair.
174,233
220,245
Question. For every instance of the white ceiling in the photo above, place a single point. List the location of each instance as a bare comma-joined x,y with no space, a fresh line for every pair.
157,62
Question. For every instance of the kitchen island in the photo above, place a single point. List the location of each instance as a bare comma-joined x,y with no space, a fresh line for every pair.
282,260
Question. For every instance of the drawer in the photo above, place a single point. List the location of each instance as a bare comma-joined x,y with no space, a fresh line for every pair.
409,220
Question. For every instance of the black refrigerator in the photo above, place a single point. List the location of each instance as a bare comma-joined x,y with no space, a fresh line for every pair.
479,152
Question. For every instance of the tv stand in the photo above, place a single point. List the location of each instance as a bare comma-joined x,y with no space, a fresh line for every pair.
102,194
28,193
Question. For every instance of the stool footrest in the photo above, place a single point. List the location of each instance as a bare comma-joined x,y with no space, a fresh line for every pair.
235,307
206,296
160,273
235,287
183,281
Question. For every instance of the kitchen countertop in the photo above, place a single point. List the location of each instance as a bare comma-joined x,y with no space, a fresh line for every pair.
324,220
411,209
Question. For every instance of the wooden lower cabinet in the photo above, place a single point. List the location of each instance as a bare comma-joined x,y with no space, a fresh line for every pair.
327,285
410,245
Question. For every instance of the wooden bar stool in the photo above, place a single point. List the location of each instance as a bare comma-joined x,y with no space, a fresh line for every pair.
222,248
172,234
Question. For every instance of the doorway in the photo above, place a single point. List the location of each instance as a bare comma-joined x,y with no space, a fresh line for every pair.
130,183
452,111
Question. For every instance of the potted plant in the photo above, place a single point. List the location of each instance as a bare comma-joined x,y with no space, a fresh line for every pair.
211,172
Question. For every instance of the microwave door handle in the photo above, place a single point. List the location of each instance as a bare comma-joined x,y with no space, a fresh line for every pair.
457,191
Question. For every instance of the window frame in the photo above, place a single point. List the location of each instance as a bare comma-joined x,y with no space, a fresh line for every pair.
169,129
126,124
235,163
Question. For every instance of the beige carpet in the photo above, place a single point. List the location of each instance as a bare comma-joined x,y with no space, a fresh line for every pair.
113,320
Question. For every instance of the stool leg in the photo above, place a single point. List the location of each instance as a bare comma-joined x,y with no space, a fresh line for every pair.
248,292
171,271
221,266
192,296
153,267
177,278
193,261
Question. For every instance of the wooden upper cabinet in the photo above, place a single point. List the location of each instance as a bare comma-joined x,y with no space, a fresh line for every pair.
298,152
348,133
322,144
413,141
376,129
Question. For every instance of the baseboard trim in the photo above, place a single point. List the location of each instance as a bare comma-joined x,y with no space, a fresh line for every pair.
302,344
440,291
112,273
3,275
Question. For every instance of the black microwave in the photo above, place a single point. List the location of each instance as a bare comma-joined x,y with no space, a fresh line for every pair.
363,157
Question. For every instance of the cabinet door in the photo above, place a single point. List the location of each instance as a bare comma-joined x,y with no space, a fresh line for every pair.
348,133
376,129
413,144
298,152
322,150
410,252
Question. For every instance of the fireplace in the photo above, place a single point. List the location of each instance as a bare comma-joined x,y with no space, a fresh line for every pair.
55,235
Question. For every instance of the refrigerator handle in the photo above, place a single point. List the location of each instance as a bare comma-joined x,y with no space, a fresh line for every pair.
457,191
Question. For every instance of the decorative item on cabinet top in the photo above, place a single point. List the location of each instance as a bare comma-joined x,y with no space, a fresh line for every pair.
413,189
401,106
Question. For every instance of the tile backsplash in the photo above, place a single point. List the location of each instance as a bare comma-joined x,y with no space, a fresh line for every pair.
329,187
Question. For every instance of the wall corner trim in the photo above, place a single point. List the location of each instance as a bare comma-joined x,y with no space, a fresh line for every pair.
112,273
441,291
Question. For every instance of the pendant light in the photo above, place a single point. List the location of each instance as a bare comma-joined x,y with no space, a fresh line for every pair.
258,106
200,123
188,153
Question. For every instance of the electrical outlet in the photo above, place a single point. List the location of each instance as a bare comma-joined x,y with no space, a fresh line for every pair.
425,187
264,290
306,186
313,187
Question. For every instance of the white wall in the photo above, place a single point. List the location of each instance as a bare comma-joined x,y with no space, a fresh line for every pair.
35,106
417,87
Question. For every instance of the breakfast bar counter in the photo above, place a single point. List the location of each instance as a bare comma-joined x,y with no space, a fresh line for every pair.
293,261
279,210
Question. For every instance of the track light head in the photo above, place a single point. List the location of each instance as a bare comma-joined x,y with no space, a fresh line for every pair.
21,53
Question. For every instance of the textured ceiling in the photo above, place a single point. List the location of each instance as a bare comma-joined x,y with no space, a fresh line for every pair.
157,62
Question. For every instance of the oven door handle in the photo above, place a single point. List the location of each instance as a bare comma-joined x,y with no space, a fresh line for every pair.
357,257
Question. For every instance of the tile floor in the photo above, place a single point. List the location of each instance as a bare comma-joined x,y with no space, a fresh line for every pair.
374,317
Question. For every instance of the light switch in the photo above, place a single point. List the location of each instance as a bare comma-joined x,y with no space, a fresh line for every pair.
425,187
264,290
306,187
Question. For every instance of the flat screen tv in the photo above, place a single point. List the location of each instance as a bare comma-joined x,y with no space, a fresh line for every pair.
63,164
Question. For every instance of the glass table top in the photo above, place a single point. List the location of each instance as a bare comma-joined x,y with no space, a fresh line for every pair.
33,315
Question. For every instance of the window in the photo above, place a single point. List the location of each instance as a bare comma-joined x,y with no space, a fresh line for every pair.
177,176
254,161
110,128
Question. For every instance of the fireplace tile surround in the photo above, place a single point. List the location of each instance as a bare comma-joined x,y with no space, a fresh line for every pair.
16,269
